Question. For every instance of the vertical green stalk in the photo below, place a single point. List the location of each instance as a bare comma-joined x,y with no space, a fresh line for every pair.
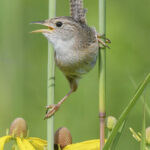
102,74
15,147
143,137
51,81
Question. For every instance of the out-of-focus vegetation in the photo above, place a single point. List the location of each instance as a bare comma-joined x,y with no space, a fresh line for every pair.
23,68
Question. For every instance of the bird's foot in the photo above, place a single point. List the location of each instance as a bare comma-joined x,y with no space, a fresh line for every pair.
102,36
53,108
103,43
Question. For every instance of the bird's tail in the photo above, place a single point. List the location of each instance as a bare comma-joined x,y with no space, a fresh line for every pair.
77,11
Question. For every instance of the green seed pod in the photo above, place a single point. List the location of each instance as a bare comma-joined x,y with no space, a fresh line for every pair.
111,122
148,135
18,128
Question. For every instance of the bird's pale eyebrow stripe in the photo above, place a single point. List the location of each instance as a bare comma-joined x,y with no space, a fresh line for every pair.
76,26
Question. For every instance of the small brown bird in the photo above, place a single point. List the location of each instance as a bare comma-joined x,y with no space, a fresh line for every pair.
76,46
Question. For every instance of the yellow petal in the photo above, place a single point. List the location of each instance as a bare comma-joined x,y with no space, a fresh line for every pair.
20,144
86,145
24,144
38,143
44,142
28,145
4,140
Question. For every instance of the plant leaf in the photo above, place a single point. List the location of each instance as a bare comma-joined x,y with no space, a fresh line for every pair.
142,98
117,137
124,114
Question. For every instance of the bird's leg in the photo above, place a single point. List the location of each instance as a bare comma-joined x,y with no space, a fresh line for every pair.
55,107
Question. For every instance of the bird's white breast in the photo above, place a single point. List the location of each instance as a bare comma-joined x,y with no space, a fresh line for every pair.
70,59
65,52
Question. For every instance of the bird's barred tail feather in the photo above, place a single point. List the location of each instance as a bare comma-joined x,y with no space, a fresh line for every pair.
77,11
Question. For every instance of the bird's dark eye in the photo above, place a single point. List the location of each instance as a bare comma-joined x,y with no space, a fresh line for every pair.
59,24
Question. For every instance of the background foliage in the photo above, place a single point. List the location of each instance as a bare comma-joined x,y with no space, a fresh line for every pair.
23,68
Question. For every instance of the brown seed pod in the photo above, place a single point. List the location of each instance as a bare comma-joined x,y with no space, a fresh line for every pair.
18,128
62,137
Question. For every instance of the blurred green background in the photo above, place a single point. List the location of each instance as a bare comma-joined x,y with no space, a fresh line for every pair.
23,68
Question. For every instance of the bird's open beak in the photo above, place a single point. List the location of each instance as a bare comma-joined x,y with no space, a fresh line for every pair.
44,23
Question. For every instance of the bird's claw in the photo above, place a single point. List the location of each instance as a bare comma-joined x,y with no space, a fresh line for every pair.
106,40
102,36
53,108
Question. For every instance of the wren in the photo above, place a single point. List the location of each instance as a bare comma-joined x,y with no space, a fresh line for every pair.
76,46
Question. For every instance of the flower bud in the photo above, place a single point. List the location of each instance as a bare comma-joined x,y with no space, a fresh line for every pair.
111,122
62,137
18,128
148,135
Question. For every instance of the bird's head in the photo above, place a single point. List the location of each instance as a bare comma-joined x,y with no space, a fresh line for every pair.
59,28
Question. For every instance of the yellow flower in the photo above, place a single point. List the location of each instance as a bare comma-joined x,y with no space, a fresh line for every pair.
63,141
18,133
86,145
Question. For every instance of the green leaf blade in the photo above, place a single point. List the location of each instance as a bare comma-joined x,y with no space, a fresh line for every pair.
123,116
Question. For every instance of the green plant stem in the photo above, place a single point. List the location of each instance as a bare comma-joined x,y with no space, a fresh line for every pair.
15,148
50,81
143,137
102,74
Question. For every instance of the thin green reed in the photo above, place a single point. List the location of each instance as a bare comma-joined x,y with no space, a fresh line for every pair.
102,74
50,80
